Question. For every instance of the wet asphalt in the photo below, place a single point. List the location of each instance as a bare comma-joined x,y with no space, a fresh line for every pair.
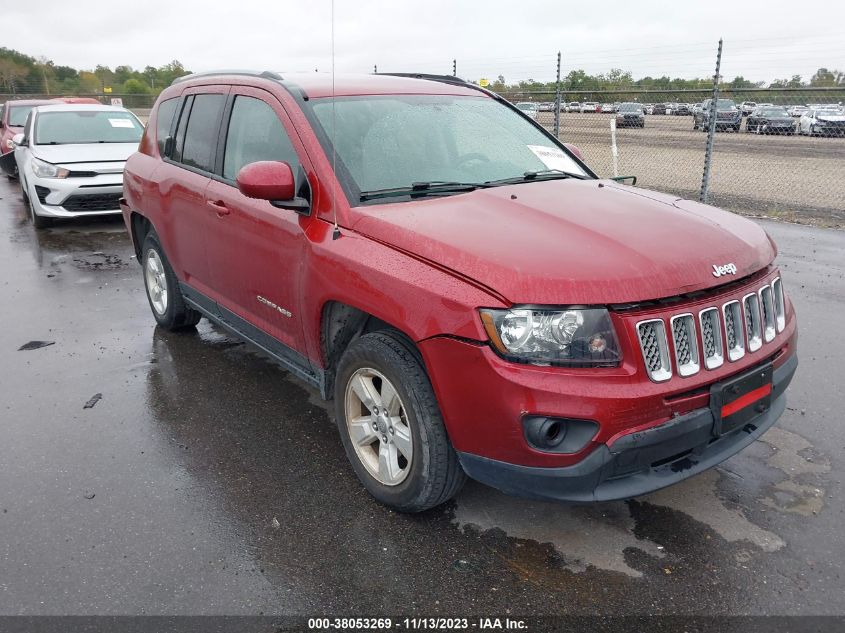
205,480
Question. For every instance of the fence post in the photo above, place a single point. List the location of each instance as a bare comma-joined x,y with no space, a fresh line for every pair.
711,129
557,98
614,150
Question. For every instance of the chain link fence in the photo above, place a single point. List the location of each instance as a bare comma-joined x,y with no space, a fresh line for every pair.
778,153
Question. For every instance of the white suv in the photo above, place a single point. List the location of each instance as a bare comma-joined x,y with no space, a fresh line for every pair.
71,158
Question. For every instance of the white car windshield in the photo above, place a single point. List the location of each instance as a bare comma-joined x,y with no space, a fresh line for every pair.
86,126
398,140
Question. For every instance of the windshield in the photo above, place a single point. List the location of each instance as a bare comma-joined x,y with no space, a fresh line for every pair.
18,114
87,126
398,140
774,112
725,104
630,107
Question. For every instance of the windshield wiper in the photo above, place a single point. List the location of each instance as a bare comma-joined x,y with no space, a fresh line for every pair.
531,176
421,189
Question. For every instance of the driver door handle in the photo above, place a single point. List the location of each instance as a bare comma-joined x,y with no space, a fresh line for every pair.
219,207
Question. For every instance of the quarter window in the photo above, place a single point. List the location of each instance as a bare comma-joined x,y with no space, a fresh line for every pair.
201,133
255,133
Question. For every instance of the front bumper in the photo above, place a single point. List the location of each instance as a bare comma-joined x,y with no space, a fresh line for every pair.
76,197
638,463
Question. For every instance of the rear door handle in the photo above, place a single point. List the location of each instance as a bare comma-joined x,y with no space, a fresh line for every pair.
219,207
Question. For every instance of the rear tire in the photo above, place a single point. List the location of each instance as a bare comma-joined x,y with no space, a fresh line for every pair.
163,293
400,403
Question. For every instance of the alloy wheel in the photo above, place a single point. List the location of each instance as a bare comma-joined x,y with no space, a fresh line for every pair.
156,281
378,426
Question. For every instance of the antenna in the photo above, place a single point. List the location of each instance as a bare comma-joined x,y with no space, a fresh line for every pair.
336,231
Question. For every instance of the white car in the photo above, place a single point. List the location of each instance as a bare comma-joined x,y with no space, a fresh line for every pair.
607,107
589,106
823,121
71,158
529,108
573,106
797,110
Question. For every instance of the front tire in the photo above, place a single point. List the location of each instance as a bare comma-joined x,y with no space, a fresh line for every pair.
163,292
38,221
391,427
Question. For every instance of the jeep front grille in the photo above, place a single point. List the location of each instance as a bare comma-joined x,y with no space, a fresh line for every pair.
711,338
655,348
767,306
753,329
780,311
740,326
686,345
734,330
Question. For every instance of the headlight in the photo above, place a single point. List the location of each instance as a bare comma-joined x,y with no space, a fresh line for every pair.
573,337
44,169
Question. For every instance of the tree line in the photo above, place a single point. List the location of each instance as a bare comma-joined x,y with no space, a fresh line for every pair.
24,74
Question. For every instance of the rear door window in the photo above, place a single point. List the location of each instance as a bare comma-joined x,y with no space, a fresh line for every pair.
201,133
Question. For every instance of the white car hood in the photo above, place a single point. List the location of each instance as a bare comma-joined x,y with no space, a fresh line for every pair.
833,118
84,153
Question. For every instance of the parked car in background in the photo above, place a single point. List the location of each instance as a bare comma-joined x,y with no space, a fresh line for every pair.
660,345
590,106
680,109
573,106
529,108
824,121
547,107
13,115
648,108
797,110
695,109
746,107
728,115
607,108
630,115
658,108
71,158
770,120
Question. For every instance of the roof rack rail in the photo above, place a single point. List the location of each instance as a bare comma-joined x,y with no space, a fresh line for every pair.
266,74
447,79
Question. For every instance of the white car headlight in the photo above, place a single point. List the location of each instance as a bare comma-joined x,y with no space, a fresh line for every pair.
582,337
43,169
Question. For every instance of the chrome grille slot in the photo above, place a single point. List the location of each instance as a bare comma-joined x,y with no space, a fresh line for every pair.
711,338
767,308
753,327
686,344
733,330
780,310
655,349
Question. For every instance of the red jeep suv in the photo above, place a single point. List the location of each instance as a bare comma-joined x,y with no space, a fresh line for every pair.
472,297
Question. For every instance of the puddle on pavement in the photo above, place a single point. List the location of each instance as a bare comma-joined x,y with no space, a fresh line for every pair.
608,536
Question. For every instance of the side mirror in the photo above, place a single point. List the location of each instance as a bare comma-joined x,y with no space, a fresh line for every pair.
272,181
574,149
18,140
624,179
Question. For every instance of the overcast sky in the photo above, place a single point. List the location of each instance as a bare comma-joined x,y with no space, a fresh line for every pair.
517,39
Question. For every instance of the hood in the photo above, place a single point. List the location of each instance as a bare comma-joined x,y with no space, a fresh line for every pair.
833,118
572,241
84,153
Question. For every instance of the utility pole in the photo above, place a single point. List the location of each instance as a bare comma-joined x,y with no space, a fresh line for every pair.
557,98
711,129
454,68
